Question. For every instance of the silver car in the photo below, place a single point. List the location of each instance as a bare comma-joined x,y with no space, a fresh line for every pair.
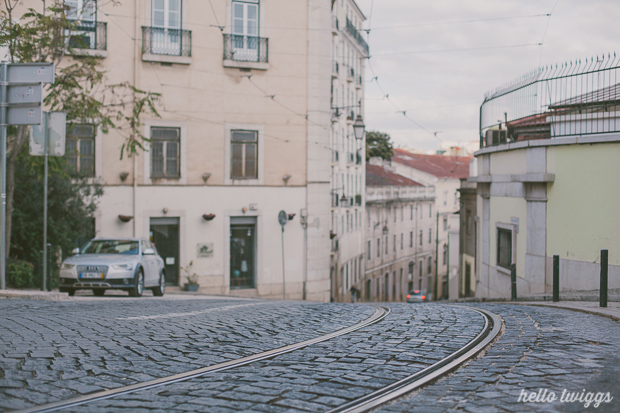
130,264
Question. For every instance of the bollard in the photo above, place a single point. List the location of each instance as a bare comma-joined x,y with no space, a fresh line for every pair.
556,278
513,280
604,273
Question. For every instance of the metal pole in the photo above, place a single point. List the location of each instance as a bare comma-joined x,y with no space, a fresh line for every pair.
604,273
283,278
436,255
46,133
513,279
3,124
556,278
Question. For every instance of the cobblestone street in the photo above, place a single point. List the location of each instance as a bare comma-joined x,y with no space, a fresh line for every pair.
55,351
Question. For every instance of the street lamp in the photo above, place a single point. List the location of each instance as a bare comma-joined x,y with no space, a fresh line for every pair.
358,128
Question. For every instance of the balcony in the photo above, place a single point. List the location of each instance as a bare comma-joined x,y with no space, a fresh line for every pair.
357,36
166,45
246,51
85,36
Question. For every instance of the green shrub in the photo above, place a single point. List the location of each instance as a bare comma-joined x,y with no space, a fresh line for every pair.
20,274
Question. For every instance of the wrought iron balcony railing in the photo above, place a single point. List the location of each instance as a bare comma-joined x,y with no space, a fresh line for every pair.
170,42
246,48
578,98
353,32
88,35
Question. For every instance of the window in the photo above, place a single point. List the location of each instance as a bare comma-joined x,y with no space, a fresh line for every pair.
430,235
504,247
430,210
402,240
84,10
411,270
445,254
421,211
430,265
369,251
456,197
245,29
421,237
80,150
244,154
386,245
84,34
445,223
394,243
411,239
378,247
402,213
421,268
445,197
411,212
165,144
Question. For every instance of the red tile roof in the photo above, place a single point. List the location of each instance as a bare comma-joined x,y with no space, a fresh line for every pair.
376,175
437,165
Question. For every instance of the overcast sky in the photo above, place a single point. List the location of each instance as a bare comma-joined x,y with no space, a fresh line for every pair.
437,67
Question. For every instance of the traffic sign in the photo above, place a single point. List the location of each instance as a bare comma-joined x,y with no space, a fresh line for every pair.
24,115
30,73
57,132
25,94
282,219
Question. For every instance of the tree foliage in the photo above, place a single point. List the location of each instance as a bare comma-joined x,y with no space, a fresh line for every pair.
71,203
378,145
80,87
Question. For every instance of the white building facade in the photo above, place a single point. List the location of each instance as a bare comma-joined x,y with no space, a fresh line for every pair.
349,51
400,249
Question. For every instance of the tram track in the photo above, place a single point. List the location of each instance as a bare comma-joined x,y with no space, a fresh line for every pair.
490,330
379,314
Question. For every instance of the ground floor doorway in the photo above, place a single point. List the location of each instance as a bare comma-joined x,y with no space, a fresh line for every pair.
164,233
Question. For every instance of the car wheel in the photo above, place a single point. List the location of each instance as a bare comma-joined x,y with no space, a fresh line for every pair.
99,292
138,288
161,288
69,291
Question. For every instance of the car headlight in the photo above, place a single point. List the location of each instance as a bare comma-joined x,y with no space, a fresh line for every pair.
67,266
122,267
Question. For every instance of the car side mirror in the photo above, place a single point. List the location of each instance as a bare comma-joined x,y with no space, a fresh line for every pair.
75,251
148,251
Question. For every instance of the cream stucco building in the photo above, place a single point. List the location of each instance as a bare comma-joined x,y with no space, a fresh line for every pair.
547,182
400,249
444,173
245,132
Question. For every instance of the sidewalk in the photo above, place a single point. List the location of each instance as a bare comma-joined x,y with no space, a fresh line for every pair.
35,295
612,310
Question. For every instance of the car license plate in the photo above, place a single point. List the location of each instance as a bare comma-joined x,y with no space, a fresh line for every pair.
91,275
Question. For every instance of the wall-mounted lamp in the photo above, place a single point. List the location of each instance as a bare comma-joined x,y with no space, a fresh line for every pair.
165,210
285,178
125,218
244,209
358,128
343,199
206,176
385,230
291,216
123,176
208,217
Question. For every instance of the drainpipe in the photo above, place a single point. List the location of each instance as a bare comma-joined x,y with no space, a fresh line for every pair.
135,79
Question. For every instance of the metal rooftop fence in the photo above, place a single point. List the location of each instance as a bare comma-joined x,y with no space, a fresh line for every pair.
574,98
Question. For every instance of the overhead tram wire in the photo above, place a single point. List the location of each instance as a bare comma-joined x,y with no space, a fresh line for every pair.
459,21
545,32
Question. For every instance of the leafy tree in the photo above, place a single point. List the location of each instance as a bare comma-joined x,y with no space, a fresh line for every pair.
71,203
378,144
80,87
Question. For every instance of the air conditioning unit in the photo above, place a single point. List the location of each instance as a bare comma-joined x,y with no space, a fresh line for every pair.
496,137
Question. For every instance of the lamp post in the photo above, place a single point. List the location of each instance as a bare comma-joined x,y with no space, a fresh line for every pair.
359,128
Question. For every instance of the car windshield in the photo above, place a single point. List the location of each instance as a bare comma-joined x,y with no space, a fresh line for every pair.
111,246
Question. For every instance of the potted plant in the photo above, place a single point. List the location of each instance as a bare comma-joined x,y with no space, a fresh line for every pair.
192,278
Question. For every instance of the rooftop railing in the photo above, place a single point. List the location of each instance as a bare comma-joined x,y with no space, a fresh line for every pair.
163,41
393,193
575,98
